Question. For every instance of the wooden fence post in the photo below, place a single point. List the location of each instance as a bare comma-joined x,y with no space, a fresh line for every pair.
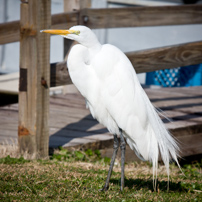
33,129
70,6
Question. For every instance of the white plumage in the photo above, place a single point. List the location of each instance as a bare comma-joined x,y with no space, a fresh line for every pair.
108,81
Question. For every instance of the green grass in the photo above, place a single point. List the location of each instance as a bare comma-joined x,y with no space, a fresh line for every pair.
78,176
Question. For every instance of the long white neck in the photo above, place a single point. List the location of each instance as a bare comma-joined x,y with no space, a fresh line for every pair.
87,49
93,51
89,40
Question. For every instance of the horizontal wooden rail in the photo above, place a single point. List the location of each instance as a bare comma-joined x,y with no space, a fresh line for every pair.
10,31
114,17
64,20
144,61
166,57
141,16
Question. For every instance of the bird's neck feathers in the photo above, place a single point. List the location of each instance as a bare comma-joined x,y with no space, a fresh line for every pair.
90,41
88,47
93,46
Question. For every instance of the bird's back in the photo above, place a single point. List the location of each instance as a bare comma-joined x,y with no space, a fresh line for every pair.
120,90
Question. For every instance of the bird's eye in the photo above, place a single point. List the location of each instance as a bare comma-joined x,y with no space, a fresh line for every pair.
77,32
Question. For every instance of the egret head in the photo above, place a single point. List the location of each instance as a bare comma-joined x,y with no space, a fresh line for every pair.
81,34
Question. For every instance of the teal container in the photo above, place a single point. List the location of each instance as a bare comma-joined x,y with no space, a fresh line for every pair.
177,77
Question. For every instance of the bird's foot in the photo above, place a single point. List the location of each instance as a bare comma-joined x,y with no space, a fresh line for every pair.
105,188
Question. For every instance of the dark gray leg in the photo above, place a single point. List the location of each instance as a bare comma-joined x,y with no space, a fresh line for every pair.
123,149
116,147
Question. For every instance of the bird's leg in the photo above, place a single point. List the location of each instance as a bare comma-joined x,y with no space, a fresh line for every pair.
116,147
123,149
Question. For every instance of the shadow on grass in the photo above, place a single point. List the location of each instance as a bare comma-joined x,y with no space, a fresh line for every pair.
139,184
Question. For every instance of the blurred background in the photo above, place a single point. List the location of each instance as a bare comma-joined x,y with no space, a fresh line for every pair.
127,39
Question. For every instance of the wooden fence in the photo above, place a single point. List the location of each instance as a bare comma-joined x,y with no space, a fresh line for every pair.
37,75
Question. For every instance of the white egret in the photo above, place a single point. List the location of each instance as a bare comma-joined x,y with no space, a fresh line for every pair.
106,78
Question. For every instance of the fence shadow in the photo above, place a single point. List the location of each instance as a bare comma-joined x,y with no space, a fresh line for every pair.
78,129
139,184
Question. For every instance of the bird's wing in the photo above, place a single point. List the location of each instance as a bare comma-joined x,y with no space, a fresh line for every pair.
83,75
121,92
129,106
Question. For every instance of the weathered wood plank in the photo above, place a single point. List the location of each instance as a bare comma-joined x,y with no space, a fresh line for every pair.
10,107
70,96
73,96
175,92
184,128
144,61
8,133
66,120
75,128
68,104
69,6
12,126
192,109
176,100
166,57
66,98
79,125
114,17
141,16
10,31
164,94
175,104
191,145
178,115
79,113
33,130
67,132
65,142
62,112
189,91
6,141
64,20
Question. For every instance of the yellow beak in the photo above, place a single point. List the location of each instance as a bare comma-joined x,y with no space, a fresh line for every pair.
60,31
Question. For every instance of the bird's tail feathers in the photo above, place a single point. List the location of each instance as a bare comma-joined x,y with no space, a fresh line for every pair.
161,140
162,113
